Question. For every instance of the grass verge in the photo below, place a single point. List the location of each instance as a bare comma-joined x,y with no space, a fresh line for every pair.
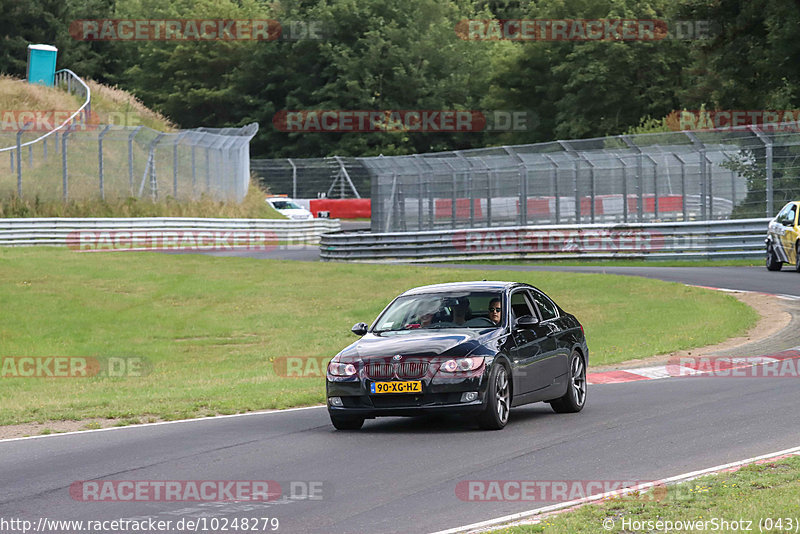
252,207
210,328
757,498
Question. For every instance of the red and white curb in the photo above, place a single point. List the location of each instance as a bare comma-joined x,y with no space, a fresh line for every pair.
695,366
781,364
532,517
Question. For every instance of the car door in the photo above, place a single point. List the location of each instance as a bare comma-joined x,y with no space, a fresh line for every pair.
789,237
530,346
557,349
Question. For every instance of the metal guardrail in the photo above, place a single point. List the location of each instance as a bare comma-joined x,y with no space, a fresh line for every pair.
56,231
734,239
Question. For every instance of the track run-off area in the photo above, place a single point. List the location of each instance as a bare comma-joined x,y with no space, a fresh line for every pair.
403,475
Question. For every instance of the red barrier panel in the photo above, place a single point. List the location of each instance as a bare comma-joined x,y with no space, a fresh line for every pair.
443,208
342,208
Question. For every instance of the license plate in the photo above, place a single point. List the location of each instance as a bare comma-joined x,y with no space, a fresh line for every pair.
396,387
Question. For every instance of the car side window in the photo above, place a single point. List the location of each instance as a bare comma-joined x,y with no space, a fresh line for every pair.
791,216
546,307
787,215
519,305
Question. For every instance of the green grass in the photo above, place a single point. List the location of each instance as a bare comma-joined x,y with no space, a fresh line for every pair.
210,327
754,493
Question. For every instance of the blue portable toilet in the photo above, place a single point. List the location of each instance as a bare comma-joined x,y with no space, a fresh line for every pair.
41,64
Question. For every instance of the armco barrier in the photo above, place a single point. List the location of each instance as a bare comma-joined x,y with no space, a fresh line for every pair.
341,208
734,239
54,231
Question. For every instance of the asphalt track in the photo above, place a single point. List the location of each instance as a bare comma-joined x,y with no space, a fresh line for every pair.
400,475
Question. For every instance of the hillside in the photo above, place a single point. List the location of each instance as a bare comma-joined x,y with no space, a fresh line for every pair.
109,105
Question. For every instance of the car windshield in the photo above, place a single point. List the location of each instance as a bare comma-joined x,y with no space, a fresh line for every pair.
442,310
285,205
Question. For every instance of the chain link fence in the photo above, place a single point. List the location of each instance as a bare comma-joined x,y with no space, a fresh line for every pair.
107,162
733,173
334,177
680,176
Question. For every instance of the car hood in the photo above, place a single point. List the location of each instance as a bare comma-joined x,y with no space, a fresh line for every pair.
296,214
451,343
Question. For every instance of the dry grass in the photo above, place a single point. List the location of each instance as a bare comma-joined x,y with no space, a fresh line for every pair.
110,105
252,207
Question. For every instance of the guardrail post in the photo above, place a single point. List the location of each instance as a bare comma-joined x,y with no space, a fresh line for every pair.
100,159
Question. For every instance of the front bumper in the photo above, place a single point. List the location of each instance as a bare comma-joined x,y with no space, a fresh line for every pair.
442,395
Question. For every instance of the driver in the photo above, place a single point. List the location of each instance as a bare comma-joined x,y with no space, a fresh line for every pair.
494,310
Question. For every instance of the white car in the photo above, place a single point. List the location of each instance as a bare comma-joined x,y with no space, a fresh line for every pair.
289,208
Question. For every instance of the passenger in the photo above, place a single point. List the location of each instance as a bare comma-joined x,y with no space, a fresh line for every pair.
461,311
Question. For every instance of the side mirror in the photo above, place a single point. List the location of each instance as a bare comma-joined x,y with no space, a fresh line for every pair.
360,329
526,321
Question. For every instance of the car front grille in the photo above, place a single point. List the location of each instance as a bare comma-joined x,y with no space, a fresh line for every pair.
383,371
411,369
380,370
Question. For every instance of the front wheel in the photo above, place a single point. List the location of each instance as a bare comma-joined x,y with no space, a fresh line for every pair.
498,402
773,264
346,422
575,397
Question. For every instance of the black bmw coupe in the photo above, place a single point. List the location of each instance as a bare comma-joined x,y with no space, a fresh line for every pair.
473,347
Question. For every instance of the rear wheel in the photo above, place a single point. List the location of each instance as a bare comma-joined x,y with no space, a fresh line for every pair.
575,397
498,402
773,264
346,422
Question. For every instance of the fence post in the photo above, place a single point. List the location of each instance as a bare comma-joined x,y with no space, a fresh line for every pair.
130,157
19,156
768,178
631,144
64,180
175,164
294,178
100,159
194,173
683,185
557,203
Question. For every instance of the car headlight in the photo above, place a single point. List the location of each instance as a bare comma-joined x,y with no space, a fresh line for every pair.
341,369
461,364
